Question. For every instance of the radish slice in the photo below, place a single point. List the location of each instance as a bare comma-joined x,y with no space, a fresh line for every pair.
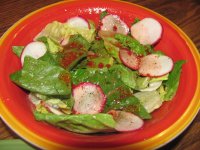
126,121
113,23
152,86
65,41
33,49
78,22
89,98
147,31
129,59
154,65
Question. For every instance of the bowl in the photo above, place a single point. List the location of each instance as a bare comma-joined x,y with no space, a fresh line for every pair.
168,122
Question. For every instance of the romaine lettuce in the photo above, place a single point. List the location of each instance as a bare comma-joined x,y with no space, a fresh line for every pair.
59,31
52,46
17,50
81,123
171,85
41,77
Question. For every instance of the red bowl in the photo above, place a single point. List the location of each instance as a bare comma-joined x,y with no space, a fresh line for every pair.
168,121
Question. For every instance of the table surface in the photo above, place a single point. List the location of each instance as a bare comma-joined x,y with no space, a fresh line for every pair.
184,13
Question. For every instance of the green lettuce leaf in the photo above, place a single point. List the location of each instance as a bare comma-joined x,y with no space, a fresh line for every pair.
100,62
103,14
129,104
112,50
41,77
151,100
98,48
59,31
53,59
52,46
171,85
131,43
81,123
127,76
136,20
17,50
79,42
70,58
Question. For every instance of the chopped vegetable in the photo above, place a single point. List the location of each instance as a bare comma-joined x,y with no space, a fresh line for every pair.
126,121
171,85
150,100
113,24
89,98
33,49
81,123
78,22
52,46
17,50
88,80
154,65
129,59
42,77
131,44
147,31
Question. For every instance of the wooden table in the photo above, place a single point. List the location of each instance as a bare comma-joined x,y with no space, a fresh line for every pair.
185,13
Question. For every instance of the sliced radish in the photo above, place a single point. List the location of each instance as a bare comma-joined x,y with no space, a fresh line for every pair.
154,65
129,59
126,121
113,23
64,41
33,49
78,22
152,86
147,31
89,98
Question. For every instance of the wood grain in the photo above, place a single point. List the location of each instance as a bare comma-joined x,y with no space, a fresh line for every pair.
184,13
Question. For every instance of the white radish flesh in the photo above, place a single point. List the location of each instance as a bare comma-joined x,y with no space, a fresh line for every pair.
126,121
147,31
154,65
78,22
33,49
113,23
89,98
129,59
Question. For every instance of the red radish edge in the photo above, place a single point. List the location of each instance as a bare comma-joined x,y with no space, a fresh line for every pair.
129,59
82,18
81,97
147,31
120,24
152,66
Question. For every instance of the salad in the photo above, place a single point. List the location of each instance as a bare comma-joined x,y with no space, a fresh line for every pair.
89,78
